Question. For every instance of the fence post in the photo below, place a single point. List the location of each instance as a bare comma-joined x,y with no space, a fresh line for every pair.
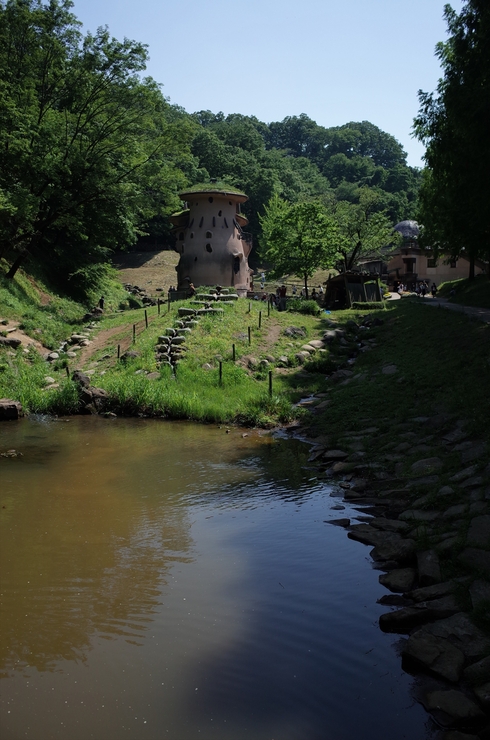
158,306
134,333
234,353
67,371
270,383
260,319
249,335
146,318
118,351
220,373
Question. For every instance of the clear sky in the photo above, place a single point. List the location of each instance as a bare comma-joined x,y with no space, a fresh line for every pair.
335,60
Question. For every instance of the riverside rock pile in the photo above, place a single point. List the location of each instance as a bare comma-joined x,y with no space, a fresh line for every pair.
422,489
71,345
141,293
92,400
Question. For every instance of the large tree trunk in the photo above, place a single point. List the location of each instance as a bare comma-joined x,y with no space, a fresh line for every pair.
11,273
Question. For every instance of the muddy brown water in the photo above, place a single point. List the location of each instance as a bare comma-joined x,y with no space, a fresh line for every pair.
169,580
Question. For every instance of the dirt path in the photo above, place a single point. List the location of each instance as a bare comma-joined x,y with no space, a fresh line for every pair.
122,335
13,332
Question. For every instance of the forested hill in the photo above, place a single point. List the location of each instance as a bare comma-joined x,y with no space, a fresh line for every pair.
93,156
297,158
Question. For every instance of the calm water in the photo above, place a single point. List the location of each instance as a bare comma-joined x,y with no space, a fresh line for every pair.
167,580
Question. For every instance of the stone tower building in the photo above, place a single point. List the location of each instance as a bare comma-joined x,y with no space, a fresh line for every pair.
213,247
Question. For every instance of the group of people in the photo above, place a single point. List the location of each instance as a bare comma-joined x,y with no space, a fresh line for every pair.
316,295
422,288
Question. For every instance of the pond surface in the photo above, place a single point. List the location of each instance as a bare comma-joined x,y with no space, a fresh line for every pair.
170,580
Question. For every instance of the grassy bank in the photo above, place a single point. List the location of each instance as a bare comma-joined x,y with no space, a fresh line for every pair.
468,292
442,364
196,390
41,313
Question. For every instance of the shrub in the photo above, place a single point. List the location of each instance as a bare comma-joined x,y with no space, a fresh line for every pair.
311,308
367,305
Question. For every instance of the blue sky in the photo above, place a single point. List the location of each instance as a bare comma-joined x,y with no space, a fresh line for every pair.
336,61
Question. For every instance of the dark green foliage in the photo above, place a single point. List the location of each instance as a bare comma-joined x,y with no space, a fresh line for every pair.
297,159
454,124
87,148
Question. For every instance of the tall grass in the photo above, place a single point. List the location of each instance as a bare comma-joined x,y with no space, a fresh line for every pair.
24,380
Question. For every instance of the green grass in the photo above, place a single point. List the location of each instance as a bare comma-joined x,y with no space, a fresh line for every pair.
443,365
22,377
196,392
468,292
42,314
442,359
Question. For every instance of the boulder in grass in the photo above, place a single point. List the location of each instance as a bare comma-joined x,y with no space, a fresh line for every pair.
10,410
10,342
80,379
129,355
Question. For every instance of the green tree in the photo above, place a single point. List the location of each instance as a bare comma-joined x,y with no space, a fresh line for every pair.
298,238
454,125
363,232
88,150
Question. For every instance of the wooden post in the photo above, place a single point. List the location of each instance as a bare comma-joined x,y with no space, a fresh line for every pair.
134,333
249,335
146,318
234,353
168,309
260,319
347,294
118,351
270,383
364,289
67,371
158,306
220,373
249,307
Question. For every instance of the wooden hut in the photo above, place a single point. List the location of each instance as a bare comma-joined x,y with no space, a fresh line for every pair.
352,287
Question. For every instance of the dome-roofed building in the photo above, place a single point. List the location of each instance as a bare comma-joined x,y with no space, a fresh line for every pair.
211,242
411,263
409,230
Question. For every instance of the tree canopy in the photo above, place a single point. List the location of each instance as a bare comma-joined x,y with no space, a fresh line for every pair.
299,238
363,232
88,150
454,125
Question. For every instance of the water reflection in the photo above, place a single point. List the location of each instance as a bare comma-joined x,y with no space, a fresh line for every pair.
170,579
